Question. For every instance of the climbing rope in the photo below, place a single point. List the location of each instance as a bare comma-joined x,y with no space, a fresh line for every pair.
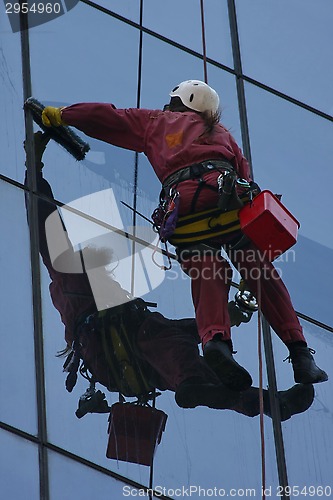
261,394
151,474
203,30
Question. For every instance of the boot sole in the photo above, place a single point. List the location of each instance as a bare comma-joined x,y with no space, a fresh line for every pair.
216,398
296,400
233,376
306,378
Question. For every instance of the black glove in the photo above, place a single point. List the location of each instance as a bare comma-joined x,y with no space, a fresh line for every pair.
40,142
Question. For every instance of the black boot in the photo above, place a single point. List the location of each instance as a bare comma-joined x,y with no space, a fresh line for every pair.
305,369
218,355
297,399
195,392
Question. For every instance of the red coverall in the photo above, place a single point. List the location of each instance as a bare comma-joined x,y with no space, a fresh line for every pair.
172,141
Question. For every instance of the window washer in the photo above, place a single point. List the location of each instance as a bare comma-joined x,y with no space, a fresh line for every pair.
199,164
166,351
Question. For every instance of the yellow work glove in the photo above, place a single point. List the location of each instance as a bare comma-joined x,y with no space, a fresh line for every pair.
52,117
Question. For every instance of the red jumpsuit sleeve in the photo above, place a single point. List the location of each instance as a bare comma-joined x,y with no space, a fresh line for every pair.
124,128
243,167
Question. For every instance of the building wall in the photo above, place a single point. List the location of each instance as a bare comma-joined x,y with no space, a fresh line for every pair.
93,55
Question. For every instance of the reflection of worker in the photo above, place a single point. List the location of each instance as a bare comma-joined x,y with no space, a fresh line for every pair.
166,350
189,150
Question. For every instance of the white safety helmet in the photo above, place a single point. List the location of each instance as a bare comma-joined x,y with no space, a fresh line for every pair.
197,95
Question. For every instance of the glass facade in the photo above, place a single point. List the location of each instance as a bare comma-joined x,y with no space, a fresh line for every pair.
131,53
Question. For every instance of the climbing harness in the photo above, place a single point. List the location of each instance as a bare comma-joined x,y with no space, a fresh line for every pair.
205,225
110,334
208,224
117,339
195,171
165,216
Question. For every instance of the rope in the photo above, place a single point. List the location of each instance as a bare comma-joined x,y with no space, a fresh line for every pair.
136,161
151,469
151,474
261,395
203,40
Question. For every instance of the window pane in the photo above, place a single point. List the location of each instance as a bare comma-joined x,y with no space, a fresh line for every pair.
126,8
292,151
308,436
68,476
217,31
288,46
181,22
103,82
19,476
170,19
157,85
11,101
107,80
17,372
201,437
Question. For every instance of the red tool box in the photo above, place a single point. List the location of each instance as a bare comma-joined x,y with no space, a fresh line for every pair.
134,432
267,222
